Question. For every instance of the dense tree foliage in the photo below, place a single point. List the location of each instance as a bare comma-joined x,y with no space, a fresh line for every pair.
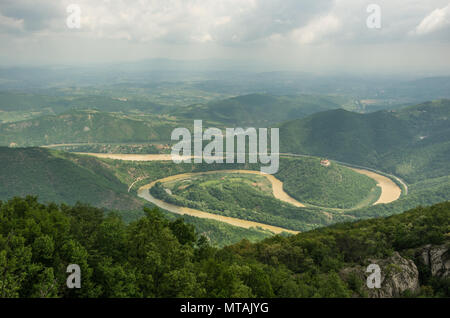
155,257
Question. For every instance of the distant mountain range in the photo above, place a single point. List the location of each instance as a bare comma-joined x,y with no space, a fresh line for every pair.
231,78
19,101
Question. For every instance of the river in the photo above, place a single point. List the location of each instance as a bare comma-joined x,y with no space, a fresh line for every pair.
390,191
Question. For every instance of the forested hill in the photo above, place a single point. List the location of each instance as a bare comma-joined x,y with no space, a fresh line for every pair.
412,142
344,135
259,109
41,172
154,257
86,126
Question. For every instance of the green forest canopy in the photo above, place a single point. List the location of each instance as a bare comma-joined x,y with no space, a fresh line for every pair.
154,257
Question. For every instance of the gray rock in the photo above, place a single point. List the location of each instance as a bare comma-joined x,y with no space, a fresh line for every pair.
437,258
398,275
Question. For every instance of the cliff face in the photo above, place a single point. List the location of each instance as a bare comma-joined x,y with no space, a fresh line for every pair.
400,274
437,259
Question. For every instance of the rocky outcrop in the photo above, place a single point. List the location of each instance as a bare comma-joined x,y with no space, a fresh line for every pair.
398,275
437,259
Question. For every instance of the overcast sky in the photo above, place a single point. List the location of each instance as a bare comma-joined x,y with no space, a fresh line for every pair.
315,35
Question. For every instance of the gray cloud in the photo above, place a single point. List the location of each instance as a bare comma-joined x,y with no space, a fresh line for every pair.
36,15
222,28
232,22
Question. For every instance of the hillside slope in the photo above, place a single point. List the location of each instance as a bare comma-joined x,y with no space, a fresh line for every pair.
346,136
86,126
258,109
412,142
40,172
